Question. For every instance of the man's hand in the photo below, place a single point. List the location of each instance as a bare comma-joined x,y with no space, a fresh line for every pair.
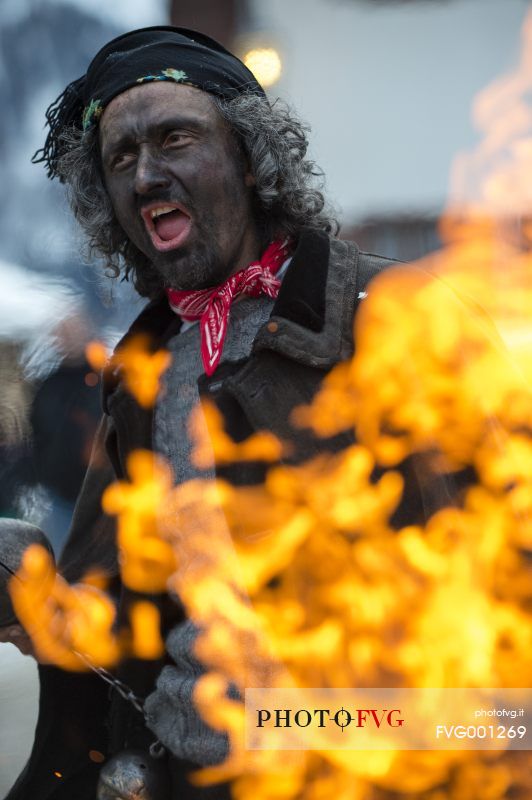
15,537
15,634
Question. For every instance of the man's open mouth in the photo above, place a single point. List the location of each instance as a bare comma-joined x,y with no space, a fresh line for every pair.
167,223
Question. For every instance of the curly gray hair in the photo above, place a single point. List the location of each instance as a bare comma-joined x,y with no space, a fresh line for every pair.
288,185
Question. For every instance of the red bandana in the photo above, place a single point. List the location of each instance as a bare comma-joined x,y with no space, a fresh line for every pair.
213,306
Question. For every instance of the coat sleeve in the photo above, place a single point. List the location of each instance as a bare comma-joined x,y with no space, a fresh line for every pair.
91,541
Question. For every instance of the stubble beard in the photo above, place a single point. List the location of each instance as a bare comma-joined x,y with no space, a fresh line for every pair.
201,268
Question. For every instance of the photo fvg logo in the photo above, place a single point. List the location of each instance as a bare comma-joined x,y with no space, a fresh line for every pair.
321,717
387,718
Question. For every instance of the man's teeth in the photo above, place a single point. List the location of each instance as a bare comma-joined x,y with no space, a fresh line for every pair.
157,212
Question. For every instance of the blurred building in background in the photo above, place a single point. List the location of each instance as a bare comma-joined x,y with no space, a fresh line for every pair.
387,87
221,20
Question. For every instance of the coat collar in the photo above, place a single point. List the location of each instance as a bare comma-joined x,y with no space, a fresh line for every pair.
312,319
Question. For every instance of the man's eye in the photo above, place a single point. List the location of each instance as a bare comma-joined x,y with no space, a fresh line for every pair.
176,139
122,160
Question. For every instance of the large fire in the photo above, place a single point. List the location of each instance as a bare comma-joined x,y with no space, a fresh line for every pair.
304,581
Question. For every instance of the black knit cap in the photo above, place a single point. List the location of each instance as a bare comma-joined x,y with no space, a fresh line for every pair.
142,56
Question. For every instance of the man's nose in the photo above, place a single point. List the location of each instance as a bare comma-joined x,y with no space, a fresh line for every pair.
150,173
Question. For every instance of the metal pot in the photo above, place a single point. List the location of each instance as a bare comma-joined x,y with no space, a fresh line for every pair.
134,775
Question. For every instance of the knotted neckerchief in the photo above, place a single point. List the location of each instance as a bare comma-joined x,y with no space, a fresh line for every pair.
213,306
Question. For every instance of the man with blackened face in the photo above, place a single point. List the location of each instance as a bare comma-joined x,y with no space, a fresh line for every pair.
179,184
189,181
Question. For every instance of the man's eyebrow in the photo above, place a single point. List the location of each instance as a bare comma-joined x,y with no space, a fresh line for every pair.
158,127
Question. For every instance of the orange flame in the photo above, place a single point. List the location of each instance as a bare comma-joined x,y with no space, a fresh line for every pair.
97,355
145,627
140,367
62,620
72,625
147,559
214,446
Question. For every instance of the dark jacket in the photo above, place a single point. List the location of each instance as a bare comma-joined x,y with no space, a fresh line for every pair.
309,331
